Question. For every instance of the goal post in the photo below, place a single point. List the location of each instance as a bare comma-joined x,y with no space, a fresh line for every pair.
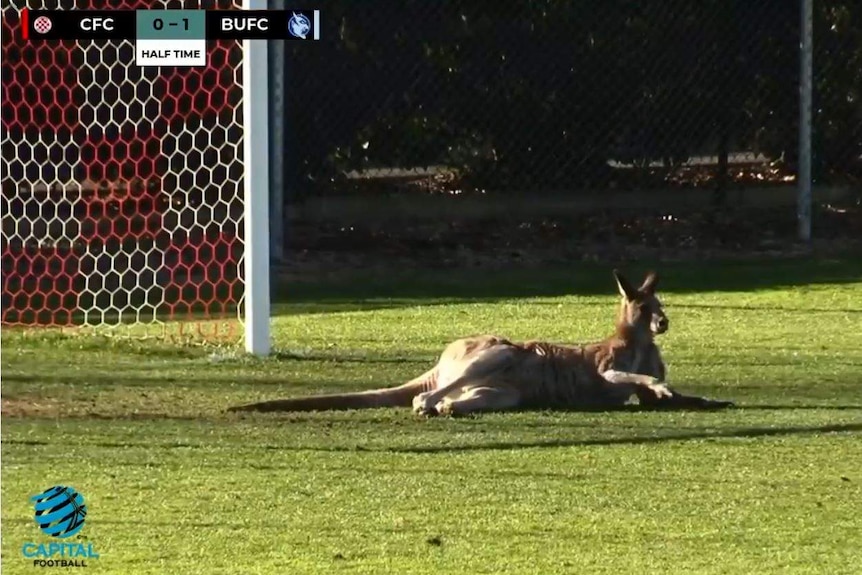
133,196
256,190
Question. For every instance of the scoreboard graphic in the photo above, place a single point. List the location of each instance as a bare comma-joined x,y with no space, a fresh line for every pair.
170,37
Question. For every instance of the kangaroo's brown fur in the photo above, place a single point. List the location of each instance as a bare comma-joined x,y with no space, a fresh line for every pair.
485,373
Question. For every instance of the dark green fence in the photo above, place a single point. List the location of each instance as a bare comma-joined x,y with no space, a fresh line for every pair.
551,95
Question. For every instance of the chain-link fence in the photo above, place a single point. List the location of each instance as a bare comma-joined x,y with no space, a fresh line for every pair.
837,118
551,95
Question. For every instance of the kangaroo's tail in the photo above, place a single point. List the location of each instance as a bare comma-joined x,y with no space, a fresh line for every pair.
401,396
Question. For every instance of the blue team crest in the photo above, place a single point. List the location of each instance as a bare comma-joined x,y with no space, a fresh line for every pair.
60,511
298,26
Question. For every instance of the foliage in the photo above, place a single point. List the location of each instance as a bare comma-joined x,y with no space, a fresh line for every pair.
528,94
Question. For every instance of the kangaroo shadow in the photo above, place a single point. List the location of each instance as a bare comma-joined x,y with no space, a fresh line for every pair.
756,407
745,432
767,407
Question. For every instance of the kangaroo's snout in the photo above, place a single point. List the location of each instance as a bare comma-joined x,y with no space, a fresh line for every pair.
660,324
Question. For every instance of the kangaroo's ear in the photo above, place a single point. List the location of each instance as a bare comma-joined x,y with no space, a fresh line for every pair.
650,283
626,289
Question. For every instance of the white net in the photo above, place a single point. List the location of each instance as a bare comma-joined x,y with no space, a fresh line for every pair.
121,186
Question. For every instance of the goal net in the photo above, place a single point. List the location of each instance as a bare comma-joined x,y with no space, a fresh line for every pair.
122,187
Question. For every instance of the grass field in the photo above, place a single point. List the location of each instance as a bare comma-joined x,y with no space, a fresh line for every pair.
174,485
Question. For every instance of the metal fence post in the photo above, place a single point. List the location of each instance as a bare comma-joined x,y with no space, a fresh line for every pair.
276,142
803,200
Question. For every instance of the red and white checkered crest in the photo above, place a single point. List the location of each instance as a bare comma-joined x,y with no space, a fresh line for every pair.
42,24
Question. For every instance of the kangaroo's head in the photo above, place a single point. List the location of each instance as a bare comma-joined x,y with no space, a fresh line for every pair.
640,308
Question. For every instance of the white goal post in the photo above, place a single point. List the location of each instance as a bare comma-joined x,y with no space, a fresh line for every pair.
256,191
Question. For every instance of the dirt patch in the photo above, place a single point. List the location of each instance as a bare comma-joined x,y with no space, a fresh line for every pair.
31,407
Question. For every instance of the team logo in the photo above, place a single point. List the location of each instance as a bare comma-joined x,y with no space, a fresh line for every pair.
60,511
298,26
42,25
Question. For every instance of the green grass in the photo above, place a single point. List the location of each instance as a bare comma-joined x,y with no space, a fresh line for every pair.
174,485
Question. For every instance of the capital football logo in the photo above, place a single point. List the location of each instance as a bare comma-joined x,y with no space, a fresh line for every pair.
60,511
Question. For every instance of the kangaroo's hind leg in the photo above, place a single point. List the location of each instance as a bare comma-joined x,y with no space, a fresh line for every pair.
470,372
480,399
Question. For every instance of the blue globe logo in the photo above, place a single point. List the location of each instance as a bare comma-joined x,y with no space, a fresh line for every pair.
298,26
60,511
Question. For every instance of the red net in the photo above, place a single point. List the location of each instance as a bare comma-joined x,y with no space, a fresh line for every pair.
122,186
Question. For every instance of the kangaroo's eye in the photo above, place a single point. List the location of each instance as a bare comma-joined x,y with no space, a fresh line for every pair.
645,308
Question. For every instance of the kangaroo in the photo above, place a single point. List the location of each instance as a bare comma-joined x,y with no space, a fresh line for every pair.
491,373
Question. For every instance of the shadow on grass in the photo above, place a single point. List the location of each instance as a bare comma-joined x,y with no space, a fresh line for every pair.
782,309
740,433
799,407
348,358
156,384
363,291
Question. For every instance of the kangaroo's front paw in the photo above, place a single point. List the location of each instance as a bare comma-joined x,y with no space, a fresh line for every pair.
660,391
